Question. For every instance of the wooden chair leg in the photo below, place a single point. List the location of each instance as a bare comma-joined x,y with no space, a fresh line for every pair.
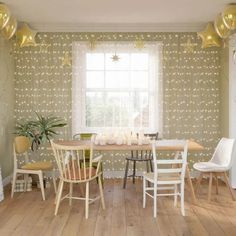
198,182
25,182
229,187
41,185
144,192
13,184
101,192
210,186
134,171
151,167
217,185
126,173
58,197
70,194
87,200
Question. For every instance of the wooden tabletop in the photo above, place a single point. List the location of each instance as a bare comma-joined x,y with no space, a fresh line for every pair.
163,146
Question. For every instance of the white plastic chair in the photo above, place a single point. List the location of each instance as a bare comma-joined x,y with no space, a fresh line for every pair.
220,163
21,147
74,168
168,175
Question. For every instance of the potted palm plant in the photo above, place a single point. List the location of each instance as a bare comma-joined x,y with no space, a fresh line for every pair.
39,130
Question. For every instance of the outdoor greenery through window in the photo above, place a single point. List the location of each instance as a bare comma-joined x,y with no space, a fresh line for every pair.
118,89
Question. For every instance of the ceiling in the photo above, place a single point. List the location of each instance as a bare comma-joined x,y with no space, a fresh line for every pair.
116,15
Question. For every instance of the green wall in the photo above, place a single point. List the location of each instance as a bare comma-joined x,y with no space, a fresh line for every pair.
7,101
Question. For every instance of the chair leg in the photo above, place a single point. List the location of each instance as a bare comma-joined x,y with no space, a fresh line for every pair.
101,192
58,198
54,183
41,185
175,196
25,182
70,194
151,167
198,182
209,188
134,171
217,185
144,192
13,184
229,187
87,200
182,199
155,200
126,173
147,167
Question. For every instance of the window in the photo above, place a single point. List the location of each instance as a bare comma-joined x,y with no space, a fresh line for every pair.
116,92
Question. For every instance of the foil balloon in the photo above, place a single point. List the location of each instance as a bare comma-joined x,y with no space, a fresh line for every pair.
10,29
221,29
229,16
4,15
209,37
26,36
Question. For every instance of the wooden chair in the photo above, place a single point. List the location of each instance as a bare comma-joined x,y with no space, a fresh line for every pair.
74,168
220,163
139,156
21,147
167,175
87,136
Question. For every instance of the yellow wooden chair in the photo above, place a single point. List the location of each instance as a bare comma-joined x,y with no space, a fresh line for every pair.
21,147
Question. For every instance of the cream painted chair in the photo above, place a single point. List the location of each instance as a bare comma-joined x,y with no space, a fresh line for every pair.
75,168
168,175
220,163
21,147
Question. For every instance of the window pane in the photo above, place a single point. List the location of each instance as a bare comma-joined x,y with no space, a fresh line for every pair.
95,61
117,79
139,61
140,107
139,79
94,109
95,79
117,109
121,64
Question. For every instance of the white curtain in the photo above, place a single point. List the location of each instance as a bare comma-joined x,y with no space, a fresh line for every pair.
122,107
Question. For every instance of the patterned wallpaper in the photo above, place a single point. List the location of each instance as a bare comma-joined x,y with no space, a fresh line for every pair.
191,84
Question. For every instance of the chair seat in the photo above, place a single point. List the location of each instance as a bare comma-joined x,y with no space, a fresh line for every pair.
163,178
44,165
209,167
82,175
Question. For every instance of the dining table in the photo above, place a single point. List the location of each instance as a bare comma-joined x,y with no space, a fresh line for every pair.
162,145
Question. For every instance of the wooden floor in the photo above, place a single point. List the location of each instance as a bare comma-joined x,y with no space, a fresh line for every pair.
27,214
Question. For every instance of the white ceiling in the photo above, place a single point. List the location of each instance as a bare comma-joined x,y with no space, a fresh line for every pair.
116,15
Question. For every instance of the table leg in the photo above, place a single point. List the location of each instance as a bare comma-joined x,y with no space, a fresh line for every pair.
190,184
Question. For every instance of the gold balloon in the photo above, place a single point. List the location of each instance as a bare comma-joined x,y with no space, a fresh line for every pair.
229,16
209,37
26,36
220,27
10,29
4,15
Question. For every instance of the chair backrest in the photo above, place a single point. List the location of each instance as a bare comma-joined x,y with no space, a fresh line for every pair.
21,145
144,154
72,163
83,136
224,153
176,165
